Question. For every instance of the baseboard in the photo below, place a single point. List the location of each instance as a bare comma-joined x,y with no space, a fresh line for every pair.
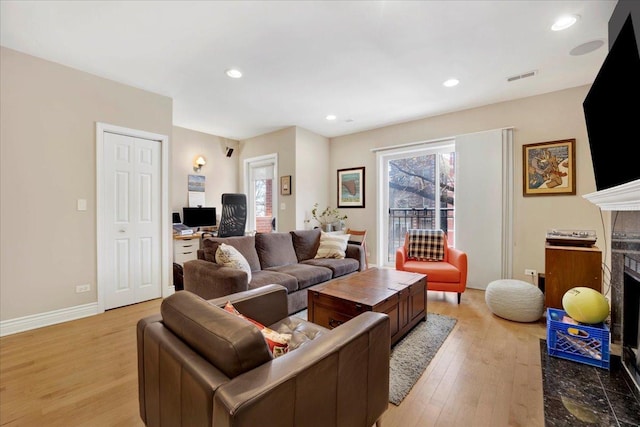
34,321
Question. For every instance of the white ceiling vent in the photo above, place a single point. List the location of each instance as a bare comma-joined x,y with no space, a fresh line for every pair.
522,76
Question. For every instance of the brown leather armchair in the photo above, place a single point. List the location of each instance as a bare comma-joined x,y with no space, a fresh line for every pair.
201,366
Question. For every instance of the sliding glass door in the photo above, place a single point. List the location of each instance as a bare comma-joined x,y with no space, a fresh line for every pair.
464,186
419,193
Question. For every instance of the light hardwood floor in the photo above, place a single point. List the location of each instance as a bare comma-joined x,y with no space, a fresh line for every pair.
84,372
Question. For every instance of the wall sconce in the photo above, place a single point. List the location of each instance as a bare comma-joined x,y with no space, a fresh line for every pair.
198,163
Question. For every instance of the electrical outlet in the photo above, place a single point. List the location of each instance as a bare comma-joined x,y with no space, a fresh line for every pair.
83,288
528,272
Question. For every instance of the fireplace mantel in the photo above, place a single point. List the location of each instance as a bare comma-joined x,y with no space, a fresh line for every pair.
624,197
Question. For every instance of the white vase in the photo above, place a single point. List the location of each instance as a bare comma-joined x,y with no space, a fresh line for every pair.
326,228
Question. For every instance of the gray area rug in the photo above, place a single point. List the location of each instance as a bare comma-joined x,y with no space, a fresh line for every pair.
412,354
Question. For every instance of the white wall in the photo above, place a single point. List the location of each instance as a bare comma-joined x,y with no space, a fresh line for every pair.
48,161
548,117
305,156
311,184
282,143
220,172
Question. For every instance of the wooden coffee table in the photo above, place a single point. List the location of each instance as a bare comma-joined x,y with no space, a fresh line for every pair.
399,294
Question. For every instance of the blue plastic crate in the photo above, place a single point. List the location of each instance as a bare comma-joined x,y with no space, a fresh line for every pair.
581,343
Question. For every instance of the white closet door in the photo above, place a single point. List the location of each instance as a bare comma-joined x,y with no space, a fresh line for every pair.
484,204
133,221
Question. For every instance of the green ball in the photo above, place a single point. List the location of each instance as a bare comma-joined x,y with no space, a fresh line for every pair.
585,305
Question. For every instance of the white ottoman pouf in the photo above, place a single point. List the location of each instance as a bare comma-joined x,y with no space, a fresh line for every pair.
515,300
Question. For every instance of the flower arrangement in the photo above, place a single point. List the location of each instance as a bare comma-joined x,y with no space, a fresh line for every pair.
327,216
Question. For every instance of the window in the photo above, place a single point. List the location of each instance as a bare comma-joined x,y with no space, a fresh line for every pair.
420,192
468,188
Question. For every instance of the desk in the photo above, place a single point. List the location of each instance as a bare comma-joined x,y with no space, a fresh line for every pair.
185,248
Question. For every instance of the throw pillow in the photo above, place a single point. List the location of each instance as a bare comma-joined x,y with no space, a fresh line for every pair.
332,245
426,245
278,343
229,256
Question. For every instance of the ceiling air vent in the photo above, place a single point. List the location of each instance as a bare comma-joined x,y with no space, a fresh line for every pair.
522,76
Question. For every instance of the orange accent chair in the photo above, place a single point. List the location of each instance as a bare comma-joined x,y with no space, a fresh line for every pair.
448,275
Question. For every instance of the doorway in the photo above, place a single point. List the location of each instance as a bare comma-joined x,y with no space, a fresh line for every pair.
418,192
480,191
132,216
261,192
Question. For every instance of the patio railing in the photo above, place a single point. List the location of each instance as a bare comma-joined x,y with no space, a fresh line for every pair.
403,219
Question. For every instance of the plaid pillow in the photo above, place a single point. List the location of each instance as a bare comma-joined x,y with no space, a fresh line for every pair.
426,245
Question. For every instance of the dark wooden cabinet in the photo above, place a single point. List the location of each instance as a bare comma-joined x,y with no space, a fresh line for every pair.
567,267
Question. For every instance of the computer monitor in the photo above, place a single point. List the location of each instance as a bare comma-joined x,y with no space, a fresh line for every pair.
199,217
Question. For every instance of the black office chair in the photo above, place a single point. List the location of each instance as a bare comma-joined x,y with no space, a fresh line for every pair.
233,219
178,277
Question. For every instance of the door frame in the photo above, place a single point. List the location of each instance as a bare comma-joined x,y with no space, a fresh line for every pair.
259,160
101,205
382,158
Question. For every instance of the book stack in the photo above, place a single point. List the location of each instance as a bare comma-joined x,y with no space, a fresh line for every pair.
182,230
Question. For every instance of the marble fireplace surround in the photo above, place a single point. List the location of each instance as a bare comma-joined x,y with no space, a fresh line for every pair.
625,241
624,203
625,255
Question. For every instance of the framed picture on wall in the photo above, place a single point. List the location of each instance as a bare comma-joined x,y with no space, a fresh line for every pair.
351,188
285,185
549,168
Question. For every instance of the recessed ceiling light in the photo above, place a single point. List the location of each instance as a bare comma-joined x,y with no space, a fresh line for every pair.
331,117
234,73
451,82
587,47
564,22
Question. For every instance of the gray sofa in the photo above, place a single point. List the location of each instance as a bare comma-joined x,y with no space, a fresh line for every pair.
285,259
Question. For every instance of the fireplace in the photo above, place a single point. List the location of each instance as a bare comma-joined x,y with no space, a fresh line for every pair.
631,318
625,289
622,200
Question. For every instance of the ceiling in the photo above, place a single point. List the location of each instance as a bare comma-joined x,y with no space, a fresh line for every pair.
370,63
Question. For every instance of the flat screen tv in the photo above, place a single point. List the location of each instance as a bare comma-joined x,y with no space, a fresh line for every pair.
199,217
612,113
